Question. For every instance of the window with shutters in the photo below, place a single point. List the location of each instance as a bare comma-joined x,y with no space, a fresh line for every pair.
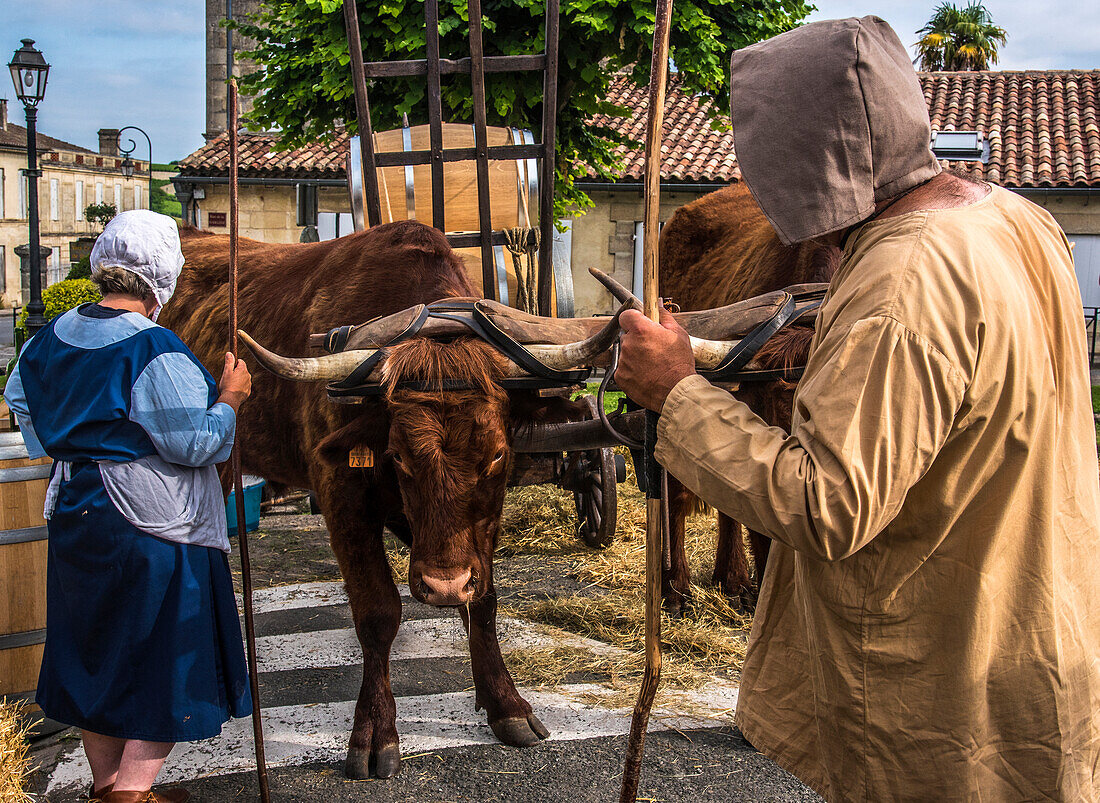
79,205
118,196
55,199
99,192
137,197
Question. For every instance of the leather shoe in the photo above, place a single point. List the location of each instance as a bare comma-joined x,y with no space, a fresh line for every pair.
175,794
96,795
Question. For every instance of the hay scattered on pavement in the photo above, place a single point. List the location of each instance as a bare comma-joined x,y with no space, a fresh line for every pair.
539,520
14,761
709,640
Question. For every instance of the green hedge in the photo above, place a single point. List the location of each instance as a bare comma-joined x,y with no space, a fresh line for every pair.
62,297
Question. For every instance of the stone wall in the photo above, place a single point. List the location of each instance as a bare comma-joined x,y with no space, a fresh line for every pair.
269,214
1075,213
61,170
604,239
215,61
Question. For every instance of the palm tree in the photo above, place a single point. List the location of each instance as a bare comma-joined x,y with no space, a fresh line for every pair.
959,39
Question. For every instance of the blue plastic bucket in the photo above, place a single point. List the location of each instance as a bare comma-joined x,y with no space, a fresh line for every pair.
253,490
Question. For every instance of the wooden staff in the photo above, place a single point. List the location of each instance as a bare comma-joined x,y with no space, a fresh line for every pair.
371,203
656,497
238,479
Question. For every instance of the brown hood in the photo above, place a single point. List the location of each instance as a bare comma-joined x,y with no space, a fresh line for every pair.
828,119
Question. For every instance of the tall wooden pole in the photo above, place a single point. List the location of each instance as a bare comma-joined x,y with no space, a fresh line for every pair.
656,500
238,479
362,114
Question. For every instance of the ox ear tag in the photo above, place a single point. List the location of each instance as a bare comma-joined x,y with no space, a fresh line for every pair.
361,457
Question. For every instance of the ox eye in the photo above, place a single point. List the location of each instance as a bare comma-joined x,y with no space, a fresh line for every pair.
498,457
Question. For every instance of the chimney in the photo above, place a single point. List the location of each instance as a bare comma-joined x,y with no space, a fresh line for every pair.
108,142
3,114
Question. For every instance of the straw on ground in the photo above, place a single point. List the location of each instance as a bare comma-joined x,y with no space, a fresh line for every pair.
14,761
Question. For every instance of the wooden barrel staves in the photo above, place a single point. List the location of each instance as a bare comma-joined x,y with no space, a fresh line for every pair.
23,484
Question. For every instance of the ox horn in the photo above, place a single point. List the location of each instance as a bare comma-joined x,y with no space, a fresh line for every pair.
305,369
709,354
571,355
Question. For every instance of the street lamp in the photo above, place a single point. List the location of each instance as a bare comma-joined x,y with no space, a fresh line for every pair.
128,163
29,72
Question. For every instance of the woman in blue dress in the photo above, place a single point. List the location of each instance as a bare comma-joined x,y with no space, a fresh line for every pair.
143,644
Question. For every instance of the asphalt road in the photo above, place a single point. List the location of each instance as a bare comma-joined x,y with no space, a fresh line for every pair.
310,674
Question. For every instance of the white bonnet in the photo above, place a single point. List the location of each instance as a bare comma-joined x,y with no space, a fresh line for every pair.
146,244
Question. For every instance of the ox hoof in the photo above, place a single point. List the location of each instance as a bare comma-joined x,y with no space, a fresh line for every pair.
382,763
677,606
742,597
520,731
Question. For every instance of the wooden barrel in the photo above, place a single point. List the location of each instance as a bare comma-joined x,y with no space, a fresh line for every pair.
406,192
23,484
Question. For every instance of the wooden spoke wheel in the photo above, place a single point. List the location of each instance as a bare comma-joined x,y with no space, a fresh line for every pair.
592,476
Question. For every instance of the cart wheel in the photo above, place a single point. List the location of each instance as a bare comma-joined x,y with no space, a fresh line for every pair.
593,478
596,497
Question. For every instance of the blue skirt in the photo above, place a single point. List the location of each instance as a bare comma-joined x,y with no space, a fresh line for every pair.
142,635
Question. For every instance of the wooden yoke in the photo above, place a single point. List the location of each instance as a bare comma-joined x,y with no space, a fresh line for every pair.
656,498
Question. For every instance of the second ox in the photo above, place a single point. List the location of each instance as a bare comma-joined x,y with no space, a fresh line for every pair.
718,250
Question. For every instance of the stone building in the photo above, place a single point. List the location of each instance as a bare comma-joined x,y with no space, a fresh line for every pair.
222,48
72,178
1040,128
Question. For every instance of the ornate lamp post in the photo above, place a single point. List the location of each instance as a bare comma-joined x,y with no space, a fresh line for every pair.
128,163
28,72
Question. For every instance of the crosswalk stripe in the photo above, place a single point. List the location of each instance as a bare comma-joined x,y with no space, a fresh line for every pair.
298,595
295,735
418,638
302,733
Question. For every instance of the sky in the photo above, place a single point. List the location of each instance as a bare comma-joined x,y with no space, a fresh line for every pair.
116,63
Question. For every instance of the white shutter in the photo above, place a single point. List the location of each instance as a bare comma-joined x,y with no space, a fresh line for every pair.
137,197
3,187
99,192
1086,262
118,196
55,199
79,205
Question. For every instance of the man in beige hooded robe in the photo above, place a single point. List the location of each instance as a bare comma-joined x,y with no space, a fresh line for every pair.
929,620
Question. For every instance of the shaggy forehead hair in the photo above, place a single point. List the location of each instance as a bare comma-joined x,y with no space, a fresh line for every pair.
113,279
466,360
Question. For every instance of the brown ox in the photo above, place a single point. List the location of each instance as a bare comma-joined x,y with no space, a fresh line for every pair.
440,461
717,250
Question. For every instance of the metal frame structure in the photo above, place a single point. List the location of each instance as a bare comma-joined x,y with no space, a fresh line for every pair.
476,65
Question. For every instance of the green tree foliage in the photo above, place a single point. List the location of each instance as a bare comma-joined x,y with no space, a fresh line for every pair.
304,85
959,39
162,202
62,297
81,269
100,214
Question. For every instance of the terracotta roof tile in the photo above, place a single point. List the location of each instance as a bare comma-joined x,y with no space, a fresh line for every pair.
15,136
1041,125
693,151
259,159
1043,128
